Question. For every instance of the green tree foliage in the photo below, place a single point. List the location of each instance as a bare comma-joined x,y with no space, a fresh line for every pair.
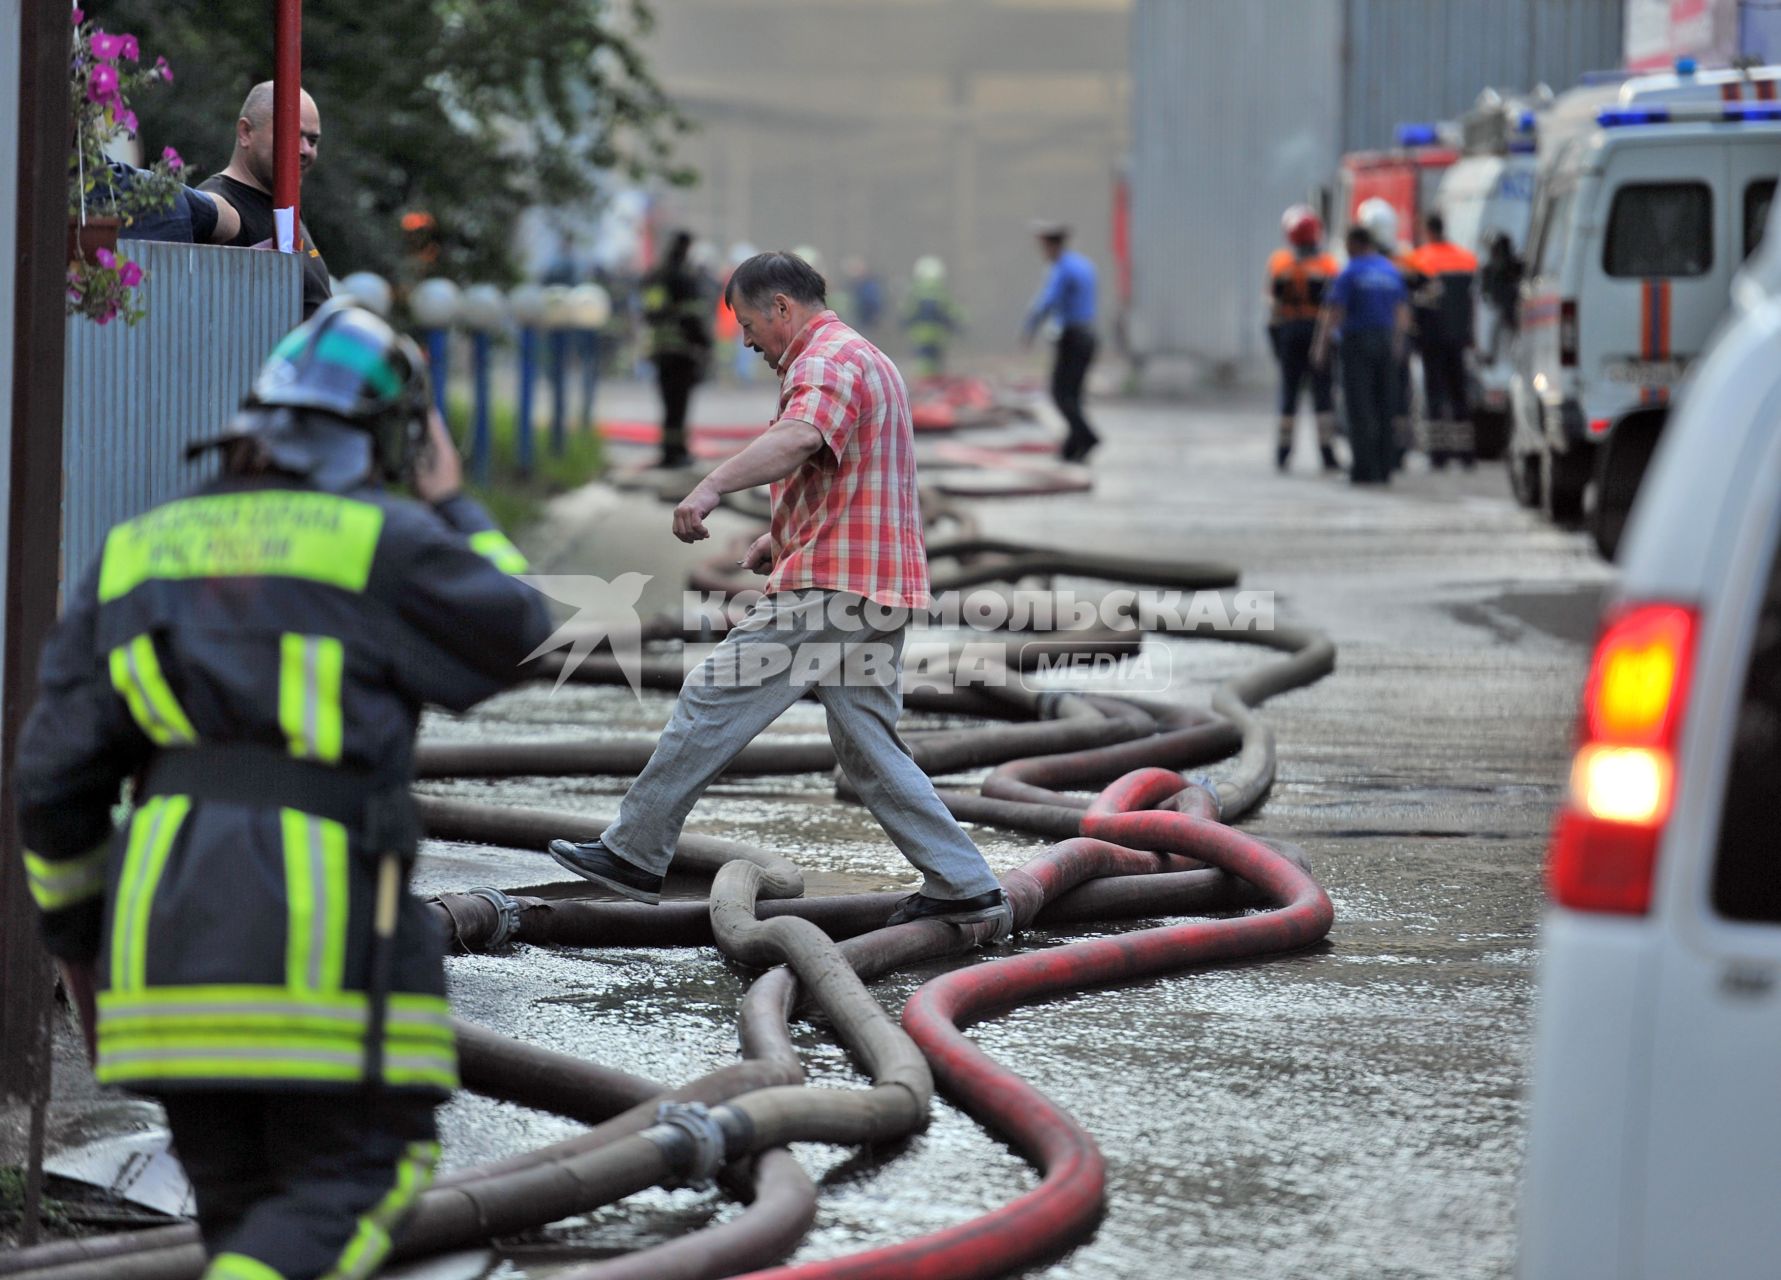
470,110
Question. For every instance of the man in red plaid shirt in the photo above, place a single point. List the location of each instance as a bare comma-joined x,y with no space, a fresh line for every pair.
847,564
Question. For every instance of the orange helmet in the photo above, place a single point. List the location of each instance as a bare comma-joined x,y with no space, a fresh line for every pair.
1302,226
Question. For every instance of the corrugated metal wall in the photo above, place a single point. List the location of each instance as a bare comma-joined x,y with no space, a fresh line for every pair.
1234,117
1239,109
1427,59
137,396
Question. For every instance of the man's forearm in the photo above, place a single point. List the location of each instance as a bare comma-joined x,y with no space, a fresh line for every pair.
773,456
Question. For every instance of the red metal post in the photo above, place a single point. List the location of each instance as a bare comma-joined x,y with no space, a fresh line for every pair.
287,98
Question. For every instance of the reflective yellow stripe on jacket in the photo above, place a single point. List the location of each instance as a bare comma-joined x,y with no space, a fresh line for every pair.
59,885
265,1032
136,675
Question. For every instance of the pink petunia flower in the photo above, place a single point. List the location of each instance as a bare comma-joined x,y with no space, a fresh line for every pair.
102,84
127,48
105,258
105,318
172,158
127,119
107,47
80,16
130,275
165,70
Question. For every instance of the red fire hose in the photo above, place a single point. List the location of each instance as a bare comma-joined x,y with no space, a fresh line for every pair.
1068,1201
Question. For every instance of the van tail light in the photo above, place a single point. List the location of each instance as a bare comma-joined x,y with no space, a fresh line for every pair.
1623,777
1567,333
1600,426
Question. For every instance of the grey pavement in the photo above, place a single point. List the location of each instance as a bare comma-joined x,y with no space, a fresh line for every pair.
1351,1112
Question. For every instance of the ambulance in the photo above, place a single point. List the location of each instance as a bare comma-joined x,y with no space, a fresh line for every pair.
1650,195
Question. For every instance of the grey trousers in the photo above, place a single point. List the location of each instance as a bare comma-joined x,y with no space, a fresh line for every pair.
851,653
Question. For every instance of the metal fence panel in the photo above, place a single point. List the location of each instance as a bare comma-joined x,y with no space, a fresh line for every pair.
1406,60
1234,117
136,396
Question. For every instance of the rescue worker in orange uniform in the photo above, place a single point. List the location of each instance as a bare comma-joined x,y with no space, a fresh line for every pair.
1297,278
1446,275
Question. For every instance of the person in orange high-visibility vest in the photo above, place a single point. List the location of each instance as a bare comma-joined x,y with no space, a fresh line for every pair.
1297,277
1446,275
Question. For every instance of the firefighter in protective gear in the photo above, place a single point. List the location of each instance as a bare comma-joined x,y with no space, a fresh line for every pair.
677,308
1381,222
1444,275
930,317
254,658
1297,277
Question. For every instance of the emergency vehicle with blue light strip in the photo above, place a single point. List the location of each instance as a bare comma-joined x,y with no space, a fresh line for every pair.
1650,195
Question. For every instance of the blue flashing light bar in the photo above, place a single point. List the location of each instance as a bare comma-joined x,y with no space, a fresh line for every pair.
1730,113
1522,147
1686,66
1417,135
1525,123
1620,117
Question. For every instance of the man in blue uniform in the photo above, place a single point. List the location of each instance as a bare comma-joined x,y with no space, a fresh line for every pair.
1369,307
254,657
1069,294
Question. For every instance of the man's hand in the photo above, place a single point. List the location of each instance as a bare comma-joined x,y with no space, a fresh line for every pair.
438,471
760,555
689,516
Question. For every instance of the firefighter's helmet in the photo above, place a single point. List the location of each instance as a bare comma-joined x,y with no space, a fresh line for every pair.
348,363
1302,227
1381,222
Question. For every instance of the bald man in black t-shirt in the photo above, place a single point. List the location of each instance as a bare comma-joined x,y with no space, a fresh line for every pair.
247,184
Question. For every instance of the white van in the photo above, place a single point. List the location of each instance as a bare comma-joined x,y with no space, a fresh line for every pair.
1483,199
1641,218
1654,1138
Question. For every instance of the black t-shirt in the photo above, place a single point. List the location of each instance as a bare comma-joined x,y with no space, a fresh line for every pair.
258,226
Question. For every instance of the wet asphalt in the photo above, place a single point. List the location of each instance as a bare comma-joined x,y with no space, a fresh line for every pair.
1354,1111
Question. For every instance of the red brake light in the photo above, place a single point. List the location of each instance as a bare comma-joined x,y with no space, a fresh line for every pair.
1623,777
1600,426
1567,333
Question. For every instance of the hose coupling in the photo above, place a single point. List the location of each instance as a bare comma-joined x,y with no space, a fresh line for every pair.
1205,783
692,1141
506,915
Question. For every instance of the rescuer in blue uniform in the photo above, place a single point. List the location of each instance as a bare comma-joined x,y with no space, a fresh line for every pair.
254,658
1370,307
1069,294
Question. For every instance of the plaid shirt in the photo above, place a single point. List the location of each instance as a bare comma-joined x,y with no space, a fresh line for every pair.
848,518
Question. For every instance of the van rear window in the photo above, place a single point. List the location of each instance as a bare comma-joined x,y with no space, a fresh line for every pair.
1660,229
1746,878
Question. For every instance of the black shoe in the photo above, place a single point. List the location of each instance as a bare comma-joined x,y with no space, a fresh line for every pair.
1467,461
674,460
985,906
1329,459
1282,455
1438,460
1078,450
594,861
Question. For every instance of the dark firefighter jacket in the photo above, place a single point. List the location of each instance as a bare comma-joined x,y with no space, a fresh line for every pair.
256,621
678,309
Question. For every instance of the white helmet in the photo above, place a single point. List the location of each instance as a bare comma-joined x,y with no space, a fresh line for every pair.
929,269
1381,222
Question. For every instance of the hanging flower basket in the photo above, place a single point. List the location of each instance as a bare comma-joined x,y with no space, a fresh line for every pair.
99,232
104,197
